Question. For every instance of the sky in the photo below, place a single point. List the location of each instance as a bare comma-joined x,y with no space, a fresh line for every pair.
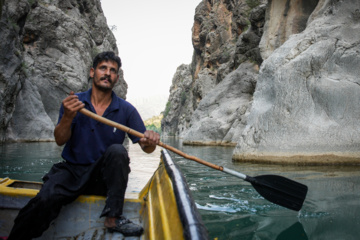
153,39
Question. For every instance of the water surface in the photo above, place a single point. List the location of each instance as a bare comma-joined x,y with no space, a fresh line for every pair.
230,207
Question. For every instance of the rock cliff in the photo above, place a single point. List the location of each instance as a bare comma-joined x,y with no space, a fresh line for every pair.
278,79
46,49
218,50
305,106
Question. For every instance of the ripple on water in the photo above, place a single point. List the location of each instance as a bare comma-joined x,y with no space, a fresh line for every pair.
307,214
232,204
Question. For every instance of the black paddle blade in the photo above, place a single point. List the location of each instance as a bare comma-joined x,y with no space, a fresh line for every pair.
280,190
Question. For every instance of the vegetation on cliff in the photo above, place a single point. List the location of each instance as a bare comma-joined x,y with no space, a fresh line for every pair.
154,123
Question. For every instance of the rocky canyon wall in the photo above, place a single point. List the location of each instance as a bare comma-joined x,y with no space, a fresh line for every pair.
305,107
46,49
218,50
278,79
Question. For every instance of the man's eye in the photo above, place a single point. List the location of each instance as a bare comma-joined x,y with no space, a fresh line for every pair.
113,71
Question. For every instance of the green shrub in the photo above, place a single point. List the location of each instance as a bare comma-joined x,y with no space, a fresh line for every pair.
154,128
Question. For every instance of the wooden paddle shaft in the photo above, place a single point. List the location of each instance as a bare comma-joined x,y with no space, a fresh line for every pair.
141,135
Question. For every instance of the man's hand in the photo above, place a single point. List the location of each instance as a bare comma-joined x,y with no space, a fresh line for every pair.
72,105
149,142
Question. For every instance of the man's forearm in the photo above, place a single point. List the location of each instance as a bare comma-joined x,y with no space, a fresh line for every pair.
62,132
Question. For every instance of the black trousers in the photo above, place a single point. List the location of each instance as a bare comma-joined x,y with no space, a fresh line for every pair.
65,182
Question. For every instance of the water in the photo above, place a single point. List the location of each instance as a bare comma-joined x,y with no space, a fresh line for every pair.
31,161
28,161
230,207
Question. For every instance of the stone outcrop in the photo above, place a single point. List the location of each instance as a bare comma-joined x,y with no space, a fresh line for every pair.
304,107
283,19
46,50
222,113
217,52
306,103
179,107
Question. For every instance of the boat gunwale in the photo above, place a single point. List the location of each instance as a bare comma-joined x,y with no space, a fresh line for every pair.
190,217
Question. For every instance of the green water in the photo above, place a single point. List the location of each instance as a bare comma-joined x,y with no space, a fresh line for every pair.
232,209
28,161
229,206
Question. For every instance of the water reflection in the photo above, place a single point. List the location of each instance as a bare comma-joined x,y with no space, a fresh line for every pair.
294,232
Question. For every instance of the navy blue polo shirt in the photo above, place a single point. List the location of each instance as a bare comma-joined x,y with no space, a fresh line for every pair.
90,139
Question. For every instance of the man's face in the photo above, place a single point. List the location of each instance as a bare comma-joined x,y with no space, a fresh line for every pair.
105,75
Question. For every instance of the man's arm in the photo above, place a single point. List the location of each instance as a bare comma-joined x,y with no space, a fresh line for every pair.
72,105
149,142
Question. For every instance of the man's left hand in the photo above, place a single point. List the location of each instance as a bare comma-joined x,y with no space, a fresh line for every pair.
149,142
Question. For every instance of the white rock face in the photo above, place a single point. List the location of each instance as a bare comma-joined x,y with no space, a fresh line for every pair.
306,103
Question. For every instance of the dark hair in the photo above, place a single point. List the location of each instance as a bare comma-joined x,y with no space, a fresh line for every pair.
106,56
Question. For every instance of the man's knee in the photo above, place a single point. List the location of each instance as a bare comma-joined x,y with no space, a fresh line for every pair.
117,152
117,149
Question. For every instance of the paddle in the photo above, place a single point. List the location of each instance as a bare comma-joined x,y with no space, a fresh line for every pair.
276,189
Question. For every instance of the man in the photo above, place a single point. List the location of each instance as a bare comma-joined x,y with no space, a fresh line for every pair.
95,160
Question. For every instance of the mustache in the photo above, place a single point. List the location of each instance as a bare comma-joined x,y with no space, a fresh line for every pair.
106,78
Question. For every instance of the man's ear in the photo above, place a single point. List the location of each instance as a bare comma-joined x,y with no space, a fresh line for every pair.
92,71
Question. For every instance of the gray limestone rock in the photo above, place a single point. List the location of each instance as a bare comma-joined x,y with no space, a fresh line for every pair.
305,106
306,103
224,35
46,50
179,107
221,115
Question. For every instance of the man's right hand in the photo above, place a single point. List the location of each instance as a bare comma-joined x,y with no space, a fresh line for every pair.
72,105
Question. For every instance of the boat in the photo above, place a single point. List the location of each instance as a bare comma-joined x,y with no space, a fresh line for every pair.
164,207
